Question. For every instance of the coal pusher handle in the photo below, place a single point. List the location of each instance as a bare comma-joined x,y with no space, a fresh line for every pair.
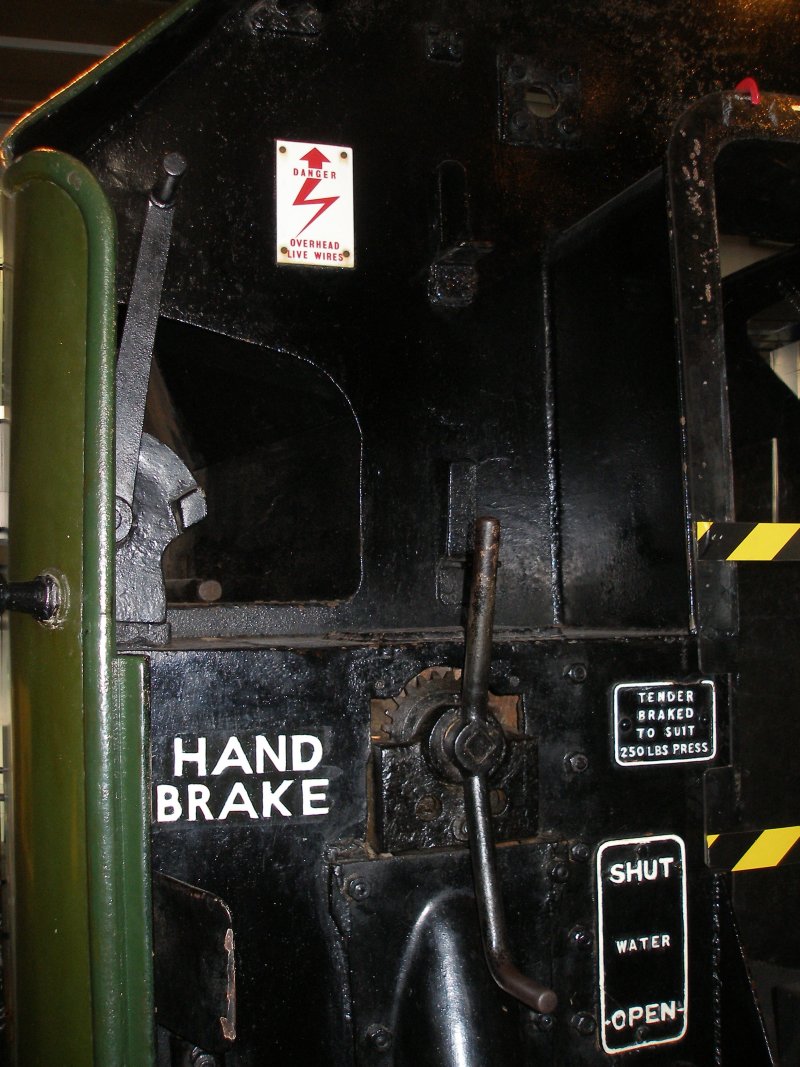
478,748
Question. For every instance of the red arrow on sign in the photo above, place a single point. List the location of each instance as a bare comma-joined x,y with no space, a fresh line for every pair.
315,159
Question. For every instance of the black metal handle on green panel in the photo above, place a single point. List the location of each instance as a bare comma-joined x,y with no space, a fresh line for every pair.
40,598
478,748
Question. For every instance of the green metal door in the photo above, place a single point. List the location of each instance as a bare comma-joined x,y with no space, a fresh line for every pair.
81,987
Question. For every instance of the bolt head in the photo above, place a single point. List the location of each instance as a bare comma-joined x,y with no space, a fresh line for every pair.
545,1023
577,762
358,889
560,873
520,121
576,672
380,1038
579,852
583,1022
580,936
428,808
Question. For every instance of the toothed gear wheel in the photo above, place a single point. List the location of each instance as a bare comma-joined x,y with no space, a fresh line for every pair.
426,695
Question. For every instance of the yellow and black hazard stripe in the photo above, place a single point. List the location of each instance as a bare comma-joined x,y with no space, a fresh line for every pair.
740,542
753,850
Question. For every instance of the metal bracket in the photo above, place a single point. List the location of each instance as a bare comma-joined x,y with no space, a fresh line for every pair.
540,106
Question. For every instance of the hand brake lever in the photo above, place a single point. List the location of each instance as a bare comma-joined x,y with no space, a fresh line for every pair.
478,747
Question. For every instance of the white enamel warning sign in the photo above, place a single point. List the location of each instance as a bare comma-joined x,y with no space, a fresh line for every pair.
314,204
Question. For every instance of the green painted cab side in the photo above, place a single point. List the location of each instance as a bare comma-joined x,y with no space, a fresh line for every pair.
82,982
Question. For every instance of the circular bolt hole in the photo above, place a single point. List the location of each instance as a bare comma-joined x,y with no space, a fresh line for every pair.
428,808
541,101
357,889
625,726
498,801
642,1033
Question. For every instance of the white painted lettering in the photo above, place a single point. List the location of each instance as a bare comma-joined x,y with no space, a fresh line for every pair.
198,758
658,1012
313,798
233,756
641,870
168,806
643,943
617,873
265,750
301,741
238,800
198,797
271,798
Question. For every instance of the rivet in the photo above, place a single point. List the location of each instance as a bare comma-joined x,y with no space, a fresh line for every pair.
282,148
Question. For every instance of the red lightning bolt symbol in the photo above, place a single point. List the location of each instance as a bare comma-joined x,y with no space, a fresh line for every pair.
315,160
